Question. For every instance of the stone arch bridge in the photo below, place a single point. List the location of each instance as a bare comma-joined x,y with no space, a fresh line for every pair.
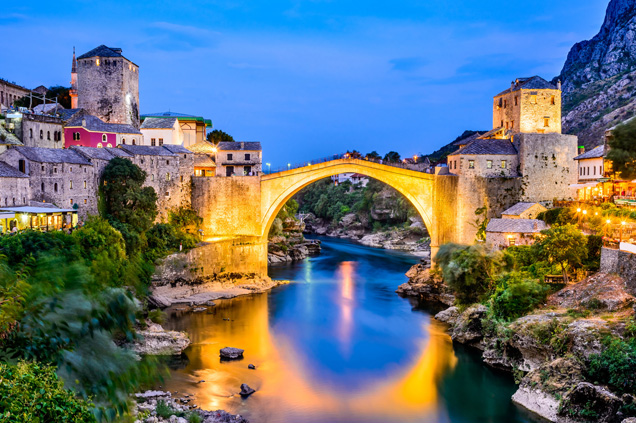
239,211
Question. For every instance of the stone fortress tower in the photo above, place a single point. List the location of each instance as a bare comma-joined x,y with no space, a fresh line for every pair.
108,86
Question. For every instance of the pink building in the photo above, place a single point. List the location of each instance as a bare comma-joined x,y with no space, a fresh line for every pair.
86,130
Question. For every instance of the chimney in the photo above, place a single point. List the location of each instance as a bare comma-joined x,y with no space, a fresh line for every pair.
84,122
581,149
559,85
242,145
512,85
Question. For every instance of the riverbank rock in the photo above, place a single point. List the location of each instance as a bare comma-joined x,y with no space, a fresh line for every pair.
450,315
468,327
586,336
230,353
287,250
426,285
600,291
155,340
586,400
541,390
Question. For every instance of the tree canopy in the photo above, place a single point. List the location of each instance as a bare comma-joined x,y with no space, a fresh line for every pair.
563,245
622,151
216,136
392,157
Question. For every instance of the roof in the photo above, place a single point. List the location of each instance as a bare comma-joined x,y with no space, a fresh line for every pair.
492,132
94,153
8,171
159,123
67,114
518,209
532,83
52,155
203,160
29,209
102,51
488,146
146,150
47,108
119,152
8,138
93,123
516,225
177,149
179,116
594,153
238,146
467,139
205,147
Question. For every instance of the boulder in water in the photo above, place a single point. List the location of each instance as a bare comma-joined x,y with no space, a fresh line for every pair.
246,391
230,353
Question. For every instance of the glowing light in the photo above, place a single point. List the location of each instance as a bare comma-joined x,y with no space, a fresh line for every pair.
584,211
623,223
608,221
578,210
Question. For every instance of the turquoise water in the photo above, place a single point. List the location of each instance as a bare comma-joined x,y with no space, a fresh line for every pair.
338,345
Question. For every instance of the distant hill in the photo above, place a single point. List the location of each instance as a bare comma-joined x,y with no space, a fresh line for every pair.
440,155
599,77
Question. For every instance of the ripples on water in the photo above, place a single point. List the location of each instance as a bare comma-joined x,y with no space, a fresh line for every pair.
338,345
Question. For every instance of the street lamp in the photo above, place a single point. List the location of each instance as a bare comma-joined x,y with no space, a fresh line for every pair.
288,166
578,215
606,227
622,226
269,167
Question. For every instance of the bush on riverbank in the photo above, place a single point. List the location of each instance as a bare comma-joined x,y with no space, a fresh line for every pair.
516,294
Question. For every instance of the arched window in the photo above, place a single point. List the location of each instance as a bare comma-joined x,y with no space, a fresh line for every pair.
55,187
123,140
42,186
48,135
31,133
108,145
134,141
41,134
99,145
103,137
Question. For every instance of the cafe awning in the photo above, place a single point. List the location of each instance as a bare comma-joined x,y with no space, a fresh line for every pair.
4,215
588,185
35,210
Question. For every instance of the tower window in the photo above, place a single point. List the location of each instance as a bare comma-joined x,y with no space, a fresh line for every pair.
533,99
41,134
55,187
504,164
31,133
516,101
553,100
70,184
97,62
22,166
546,122
471,164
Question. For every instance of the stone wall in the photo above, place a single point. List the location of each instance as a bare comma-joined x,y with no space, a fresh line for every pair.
525,110
229,207
547,166
40,130
11,92
14,192
109,90
622,263
480,165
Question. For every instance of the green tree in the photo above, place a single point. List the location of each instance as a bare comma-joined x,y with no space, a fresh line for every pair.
516,294
392,157
469,270
622,151
563,245
373,155
216,136
129,206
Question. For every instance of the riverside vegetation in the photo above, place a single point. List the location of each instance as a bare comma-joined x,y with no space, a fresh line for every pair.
571,348
71,303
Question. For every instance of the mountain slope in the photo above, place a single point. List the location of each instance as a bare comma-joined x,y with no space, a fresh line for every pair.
599,76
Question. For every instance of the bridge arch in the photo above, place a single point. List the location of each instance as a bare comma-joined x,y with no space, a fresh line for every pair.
417,187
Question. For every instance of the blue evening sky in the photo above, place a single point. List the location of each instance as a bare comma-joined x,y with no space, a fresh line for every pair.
309,78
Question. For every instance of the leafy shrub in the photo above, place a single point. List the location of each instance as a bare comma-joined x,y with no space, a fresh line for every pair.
594,245
32,392
593,304
516,295
615,365
468,270
157,316
519,257
277,228
557,216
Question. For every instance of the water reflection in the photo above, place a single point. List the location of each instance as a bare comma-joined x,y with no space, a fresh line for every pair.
337,346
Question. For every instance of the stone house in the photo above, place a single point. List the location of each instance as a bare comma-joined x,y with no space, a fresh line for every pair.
523,211
87,130
37,130
591,167
204,158
160,131
238,158
14,187
62,177
9,93
485,157
192,128
107,85
503,233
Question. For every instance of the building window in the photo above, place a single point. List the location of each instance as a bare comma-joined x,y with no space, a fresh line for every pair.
48,135
42,168
167,176
516,101
103,137
505,103
55,187
41,134
160,141
85,185
85,201
247,170
501,124
54,170
553,100
97,62
471,164
134,142
546,122
247,157
512,241
99,145
31,133
181,178
167,162
229,171
153,142
152,177
70,169
503,164
512,124
123,141
489,164
70,184
71,201
22,165
594,170
229,156
42,186
533,99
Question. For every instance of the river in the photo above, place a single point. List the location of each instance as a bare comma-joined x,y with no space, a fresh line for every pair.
338,345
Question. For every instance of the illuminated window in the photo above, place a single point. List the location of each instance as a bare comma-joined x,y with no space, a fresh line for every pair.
471,164
546,122
511,241
99,145
85,185
489,164
533,99
85,201
503,164
71,201
70,184
167,176
97,62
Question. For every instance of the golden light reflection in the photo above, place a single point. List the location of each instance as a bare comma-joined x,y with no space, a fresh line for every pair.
282,379
346,304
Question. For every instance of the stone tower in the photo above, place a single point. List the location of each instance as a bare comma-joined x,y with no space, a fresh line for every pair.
73,90
108,86
529,106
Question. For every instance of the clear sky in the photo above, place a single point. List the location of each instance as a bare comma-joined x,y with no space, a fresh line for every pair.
309,78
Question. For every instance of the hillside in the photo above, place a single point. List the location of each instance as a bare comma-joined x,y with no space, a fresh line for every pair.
599,77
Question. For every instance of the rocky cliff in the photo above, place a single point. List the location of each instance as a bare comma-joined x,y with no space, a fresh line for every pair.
599,77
